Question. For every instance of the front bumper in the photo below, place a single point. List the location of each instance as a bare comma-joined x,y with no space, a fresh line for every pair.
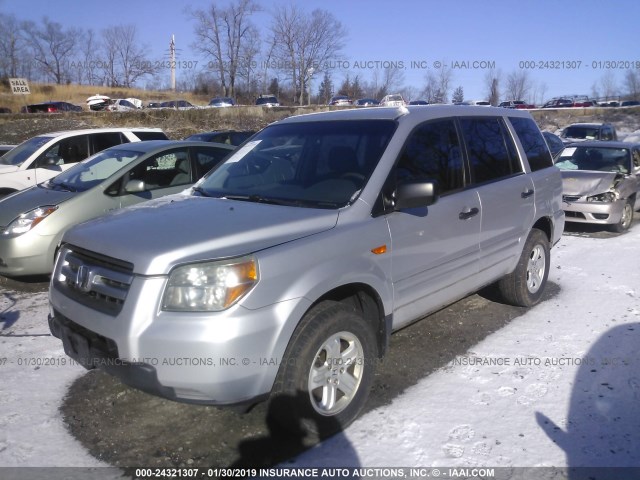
223,358
28,254
594,212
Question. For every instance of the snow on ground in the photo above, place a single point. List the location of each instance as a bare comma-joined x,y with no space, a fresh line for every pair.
558,386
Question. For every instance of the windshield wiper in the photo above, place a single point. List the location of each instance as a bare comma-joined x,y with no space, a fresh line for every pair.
200,191
261,199
62,186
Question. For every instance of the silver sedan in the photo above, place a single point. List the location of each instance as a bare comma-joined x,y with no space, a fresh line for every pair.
600,183
33,221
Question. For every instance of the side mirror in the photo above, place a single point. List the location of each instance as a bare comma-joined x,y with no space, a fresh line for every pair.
134,186
48,161
416,193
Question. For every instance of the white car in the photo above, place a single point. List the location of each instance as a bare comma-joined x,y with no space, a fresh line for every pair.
122,105
392,101
45,156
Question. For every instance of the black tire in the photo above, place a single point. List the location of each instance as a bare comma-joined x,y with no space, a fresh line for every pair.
626,219
525,285
342,382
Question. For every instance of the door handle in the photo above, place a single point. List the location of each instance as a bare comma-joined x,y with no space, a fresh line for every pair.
468,213
527,193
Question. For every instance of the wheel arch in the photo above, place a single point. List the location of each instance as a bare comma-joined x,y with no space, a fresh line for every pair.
365,300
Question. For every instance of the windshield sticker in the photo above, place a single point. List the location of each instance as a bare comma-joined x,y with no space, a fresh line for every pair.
240,154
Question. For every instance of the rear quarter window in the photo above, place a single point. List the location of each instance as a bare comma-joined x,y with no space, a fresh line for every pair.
490,149
533,143
151,136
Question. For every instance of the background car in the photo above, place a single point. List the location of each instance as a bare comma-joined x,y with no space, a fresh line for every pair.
577,132
600,183
45,156
121,105
555,144
5,148
366,102
34,220
178,105
629,103
222,102
267,101
228,137
340,101
519,104
395,100
418,102
558,103
51,107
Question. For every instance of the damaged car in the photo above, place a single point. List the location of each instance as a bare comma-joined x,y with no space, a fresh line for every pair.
600,183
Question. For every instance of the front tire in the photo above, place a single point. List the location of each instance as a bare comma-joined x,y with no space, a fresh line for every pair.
326,372
525,285
626,219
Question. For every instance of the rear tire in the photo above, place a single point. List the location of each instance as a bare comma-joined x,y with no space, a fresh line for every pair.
326,372
525,285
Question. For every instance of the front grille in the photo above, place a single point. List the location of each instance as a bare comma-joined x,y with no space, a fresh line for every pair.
94,280
571,198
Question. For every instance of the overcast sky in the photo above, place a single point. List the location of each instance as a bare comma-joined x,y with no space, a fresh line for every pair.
582,38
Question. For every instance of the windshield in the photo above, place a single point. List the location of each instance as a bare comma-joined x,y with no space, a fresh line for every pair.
94,170
595,159
23,151
315,164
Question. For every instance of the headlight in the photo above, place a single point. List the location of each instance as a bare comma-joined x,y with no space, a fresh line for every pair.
210,286
606,197
27,221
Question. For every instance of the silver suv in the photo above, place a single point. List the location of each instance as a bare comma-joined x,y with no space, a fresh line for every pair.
285,271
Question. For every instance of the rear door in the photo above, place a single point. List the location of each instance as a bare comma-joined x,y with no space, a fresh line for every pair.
435,249
506,193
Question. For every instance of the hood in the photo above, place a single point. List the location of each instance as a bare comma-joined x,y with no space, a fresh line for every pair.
25,200
155,236
8,168
581,183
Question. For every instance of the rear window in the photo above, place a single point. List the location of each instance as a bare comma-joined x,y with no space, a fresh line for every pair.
102,141
533,143
151,135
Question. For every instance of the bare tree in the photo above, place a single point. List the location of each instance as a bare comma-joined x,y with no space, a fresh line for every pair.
608,85
632,84
52,47
386,81
305,43
437,85
518,85
492,85
126,60
11,46
224,35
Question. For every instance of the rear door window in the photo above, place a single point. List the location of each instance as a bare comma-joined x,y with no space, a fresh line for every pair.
490,149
